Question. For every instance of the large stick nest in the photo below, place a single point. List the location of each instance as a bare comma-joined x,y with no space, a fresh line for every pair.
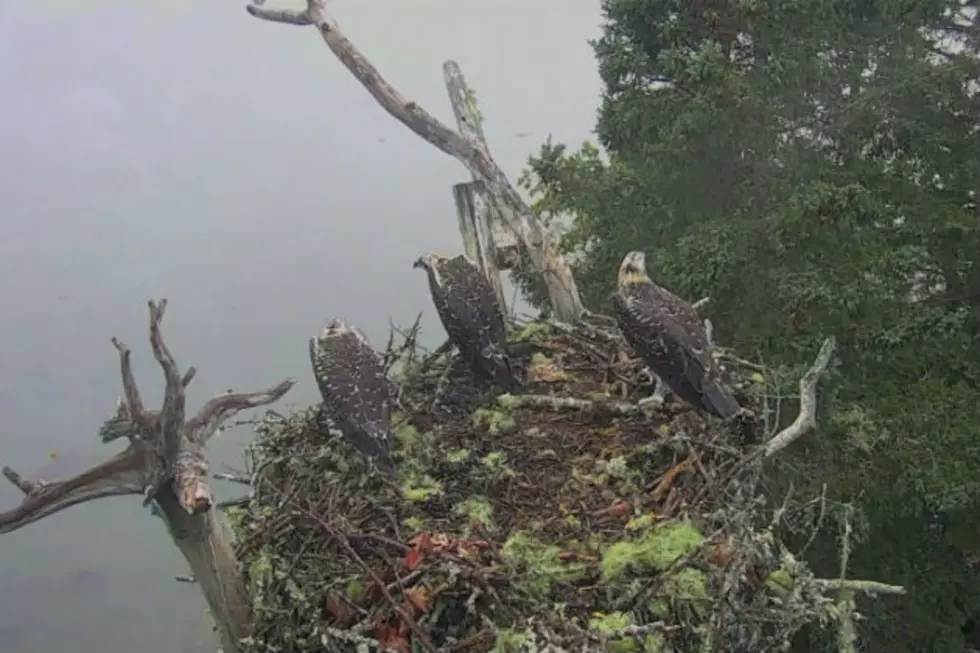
577,523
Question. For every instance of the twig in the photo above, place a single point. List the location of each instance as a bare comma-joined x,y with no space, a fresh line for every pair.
806,420
870,587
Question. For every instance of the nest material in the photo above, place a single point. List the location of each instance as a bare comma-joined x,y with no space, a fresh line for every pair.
570,520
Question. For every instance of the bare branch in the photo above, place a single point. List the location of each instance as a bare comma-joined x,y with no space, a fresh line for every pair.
233,478
188,376
286,16
122,474
222,407
870,587
565,404
807,418
701,303
172,412
514,211
121,425
135,409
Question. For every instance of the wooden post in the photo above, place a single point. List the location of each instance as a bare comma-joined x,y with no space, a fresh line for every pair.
497,244
477,241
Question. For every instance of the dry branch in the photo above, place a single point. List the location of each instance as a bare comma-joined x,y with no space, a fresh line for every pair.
165,460
533,235
806,420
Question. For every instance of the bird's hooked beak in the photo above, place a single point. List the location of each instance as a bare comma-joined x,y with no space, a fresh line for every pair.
426,261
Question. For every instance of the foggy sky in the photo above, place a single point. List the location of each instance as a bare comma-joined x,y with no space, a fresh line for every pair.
182,149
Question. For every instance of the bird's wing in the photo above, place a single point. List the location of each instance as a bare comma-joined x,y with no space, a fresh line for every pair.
471,301
351,379
683,325
475,289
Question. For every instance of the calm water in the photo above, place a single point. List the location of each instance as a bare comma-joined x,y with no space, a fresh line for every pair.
180,148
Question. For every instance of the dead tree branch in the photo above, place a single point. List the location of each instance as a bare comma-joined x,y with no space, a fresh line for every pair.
806,420
533,235
166,460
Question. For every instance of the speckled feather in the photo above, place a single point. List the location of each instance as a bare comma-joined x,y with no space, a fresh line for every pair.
668,334
355,389
469,311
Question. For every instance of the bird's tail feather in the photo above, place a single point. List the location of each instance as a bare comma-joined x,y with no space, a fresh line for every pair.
719,398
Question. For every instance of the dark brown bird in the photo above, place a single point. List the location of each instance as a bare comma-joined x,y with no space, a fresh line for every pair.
471,315
356,391
668,334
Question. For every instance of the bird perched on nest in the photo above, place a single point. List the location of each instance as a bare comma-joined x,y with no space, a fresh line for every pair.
667,333
471,315
356,391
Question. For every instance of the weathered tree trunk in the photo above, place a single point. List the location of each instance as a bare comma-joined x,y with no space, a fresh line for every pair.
206,543
533,235
165,462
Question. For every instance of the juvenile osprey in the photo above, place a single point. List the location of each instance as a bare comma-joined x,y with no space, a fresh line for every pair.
355,390
471,315
670,337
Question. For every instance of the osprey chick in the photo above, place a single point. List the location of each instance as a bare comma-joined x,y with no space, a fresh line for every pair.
667,333
355,390
471,315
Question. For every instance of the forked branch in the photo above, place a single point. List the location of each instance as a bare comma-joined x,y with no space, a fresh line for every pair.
806,420
223,407
164,451
122,474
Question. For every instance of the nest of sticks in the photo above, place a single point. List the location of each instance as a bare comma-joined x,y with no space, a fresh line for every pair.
568,518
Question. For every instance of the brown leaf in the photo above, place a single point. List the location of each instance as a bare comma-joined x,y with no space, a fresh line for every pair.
396,643
577,557
337,609
413,558
617,509
670,477
418,597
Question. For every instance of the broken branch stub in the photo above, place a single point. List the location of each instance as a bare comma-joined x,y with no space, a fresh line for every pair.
532,234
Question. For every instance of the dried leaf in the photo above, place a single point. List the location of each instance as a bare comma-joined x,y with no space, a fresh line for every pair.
418,597
337,609
618,509
577,557
413,558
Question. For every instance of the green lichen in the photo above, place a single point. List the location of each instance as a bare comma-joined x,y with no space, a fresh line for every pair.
414,524
355,589
508,641
495,464
541,364
656,549
478,512
495,421
683,592
457,455
415,447
537,565
535,332
610,623
420,488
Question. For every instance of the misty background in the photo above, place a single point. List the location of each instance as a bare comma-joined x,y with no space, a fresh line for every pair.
183,149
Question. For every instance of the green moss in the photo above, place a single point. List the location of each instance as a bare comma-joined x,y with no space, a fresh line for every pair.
495,421
609,623
544,368
355,589
457,455
420,488
495,463
478,512
508,641
413,524
537,564
656,549
536,332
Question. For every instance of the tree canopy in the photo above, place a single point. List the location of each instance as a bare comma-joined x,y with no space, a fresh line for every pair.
813,167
